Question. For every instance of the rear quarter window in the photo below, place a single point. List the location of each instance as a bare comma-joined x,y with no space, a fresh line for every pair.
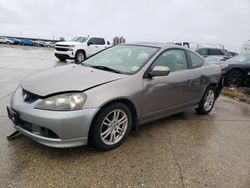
195,60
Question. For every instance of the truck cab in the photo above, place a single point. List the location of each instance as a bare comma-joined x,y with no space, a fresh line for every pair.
79,48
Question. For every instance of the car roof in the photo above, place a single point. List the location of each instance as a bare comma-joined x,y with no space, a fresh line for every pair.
155,44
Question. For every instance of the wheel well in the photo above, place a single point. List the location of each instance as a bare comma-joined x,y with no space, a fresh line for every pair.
81,51
239,69
128,103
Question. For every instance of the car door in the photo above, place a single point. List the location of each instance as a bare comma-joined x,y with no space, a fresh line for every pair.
196,79
166,94
95,45
92,47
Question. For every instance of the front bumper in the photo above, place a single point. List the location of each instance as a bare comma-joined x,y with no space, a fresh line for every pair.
59,129
65,54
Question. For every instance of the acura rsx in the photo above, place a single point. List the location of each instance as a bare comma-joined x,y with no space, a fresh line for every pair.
101,99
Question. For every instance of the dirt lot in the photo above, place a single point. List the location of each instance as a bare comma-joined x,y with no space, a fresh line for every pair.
185,150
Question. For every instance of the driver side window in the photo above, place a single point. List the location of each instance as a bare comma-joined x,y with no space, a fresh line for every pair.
175,59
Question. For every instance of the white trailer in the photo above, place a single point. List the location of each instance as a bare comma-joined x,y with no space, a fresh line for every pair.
245,49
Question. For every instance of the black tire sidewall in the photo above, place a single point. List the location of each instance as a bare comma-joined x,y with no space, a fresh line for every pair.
228,74
94,135
201,109
77,53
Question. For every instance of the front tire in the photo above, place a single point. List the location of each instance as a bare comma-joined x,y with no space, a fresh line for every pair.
234,78
207,102
111,127
80,56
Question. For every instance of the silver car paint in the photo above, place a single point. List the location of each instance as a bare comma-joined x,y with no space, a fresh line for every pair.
152,98
67,78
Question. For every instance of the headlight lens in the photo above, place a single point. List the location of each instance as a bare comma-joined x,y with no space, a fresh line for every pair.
223,66
71,47
63,102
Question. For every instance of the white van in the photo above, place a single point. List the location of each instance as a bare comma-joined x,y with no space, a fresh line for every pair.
245,49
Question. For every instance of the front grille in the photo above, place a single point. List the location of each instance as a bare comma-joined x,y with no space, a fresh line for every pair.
62,45
62,49
29,97
35,129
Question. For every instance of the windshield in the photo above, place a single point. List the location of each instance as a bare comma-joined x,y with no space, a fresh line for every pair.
126,59
240,59
79,39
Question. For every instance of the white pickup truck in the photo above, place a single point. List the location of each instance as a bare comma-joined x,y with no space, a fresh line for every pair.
79,48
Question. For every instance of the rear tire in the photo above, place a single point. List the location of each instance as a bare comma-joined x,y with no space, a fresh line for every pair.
80,56
111,127
207,102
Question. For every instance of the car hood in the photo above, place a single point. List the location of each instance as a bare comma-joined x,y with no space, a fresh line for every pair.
67,78
67,43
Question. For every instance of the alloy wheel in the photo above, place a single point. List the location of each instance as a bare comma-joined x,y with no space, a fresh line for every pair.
114,127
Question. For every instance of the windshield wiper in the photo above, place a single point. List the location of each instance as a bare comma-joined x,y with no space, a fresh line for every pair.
105,68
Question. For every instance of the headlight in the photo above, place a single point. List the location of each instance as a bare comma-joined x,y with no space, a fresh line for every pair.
223,66
71,47
63,102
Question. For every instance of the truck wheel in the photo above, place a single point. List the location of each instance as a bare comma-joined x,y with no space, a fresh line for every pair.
207,102
80,56
111,127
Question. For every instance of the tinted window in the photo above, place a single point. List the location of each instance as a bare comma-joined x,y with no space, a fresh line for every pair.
196,61
100,41
174,59
215,52
92,41
203,52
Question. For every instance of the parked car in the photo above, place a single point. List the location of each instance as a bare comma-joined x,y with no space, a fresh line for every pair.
101,99
237,71
41,43
27,42
205,52
50,44
6,40
79,48
15,40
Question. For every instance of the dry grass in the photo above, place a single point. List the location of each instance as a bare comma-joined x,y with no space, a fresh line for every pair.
236,93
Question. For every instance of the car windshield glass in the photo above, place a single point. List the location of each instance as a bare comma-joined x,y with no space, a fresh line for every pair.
81,39
75,39
240,59
126,59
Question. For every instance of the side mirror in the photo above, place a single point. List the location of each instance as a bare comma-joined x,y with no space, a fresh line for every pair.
89,43
160,71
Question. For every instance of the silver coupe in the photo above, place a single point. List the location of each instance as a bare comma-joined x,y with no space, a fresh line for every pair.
111,93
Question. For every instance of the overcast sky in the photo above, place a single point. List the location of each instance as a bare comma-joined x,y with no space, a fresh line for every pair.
204,21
